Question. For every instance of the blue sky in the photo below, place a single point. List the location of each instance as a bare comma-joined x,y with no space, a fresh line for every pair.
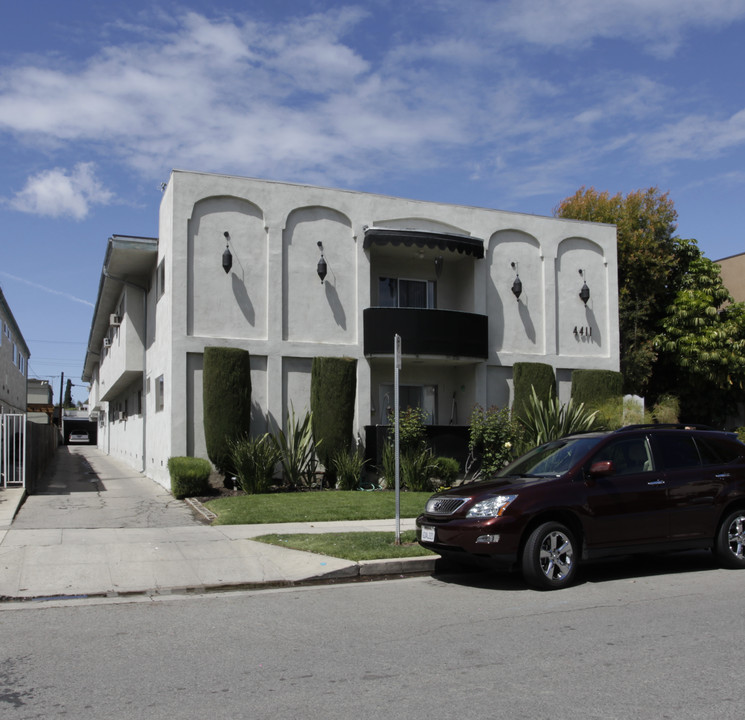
507,104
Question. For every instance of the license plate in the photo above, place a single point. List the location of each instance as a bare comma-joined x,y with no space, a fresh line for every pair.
428,534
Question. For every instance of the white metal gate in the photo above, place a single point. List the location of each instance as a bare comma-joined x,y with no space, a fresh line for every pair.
13,450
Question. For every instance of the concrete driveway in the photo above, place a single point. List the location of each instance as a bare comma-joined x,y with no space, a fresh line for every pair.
84,488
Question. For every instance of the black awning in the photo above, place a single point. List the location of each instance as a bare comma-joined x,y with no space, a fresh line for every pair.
421,238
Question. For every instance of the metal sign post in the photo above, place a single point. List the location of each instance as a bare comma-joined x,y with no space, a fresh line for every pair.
396,368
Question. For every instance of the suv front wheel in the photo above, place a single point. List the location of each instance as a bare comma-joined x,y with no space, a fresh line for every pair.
730,545
548,560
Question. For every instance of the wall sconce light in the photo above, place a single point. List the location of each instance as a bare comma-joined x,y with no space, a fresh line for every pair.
438,265
584,293
517,285
321,268
227,258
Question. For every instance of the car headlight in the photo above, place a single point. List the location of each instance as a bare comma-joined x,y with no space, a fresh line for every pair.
493,507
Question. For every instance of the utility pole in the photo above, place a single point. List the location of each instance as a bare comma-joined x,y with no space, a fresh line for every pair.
61,382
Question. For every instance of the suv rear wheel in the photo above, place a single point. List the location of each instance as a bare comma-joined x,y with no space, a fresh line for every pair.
730,545
548,560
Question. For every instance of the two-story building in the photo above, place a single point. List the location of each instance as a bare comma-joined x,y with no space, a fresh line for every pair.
290,272
14,355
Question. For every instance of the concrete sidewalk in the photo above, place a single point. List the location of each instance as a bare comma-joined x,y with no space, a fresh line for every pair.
44,554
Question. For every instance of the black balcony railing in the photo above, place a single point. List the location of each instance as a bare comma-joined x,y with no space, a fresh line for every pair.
426,332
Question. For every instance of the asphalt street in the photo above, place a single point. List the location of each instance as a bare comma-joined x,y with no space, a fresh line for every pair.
662,640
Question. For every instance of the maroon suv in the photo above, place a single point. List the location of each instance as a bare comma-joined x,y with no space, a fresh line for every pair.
638,489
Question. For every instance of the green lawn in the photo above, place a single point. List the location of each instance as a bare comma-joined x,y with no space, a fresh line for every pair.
352,546
314,506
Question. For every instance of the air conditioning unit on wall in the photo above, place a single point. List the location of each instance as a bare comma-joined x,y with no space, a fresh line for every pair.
115,320
106,342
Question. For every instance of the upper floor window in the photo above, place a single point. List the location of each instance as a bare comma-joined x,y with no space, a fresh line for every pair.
160,393
160,280
404,293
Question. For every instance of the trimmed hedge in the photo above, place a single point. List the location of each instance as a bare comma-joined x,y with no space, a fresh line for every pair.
226,397
333,389
592,387
527,375
189,476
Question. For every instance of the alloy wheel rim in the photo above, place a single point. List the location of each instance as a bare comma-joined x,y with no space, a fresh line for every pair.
736,537
556,556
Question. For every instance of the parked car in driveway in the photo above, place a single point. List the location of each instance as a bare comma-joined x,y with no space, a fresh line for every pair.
78,436
635,490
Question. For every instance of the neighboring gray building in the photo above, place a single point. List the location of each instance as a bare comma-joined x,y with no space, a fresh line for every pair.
442,276
40,405
14,355
733,275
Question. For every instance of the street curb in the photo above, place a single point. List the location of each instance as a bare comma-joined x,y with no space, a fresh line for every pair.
363,571
397,566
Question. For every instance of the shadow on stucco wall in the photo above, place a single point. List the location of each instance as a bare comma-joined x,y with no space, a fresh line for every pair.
244,302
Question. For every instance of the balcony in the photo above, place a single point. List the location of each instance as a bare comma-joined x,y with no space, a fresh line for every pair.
443,333
123,361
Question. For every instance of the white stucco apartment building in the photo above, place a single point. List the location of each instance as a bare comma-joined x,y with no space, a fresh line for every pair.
441,276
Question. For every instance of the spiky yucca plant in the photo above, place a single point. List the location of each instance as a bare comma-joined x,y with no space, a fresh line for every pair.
254,460
297,452
551,419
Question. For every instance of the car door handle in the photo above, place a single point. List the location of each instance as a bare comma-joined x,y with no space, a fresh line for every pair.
656,482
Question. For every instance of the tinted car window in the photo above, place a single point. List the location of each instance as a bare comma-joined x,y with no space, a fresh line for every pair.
629,456
717,451
552,459
677,450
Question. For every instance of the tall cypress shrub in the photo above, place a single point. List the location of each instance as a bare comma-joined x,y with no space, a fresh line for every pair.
592,387
526,375
226,397
333,389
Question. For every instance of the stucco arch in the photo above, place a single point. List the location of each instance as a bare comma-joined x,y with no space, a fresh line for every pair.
312,309
420,223
231,306
517,325
580,260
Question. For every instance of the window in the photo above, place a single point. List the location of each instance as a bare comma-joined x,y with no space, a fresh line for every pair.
160,280
409,396
403,293
629,456
715,451
159,393
139,402
678,450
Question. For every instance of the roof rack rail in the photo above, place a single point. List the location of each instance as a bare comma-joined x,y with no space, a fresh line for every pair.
668,426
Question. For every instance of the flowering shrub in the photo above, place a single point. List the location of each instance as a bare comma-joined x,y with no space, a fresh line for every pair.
493,438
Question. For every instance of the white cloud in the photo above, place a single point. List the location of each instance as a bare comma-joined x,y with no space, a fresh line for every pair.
323,97
696,137
656,26
51,291
57,193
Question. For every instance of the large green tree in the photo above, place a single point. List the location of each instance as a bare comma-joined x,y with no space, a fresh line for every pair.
649,267
701,342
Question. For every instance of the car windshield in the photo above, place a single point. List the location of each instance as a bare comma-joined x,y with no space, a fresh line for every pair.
551,459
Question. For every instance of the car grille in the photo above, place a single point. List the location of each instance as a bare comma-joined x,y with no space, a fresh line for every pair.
444,505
